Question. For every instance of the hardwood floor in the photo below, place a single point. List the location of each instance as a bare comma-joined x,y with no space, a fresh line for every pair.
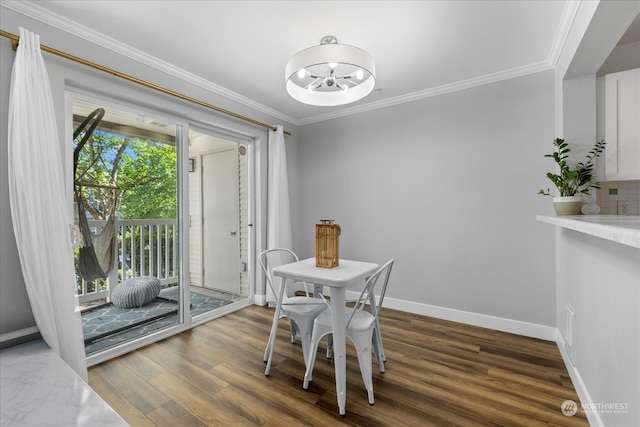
437,373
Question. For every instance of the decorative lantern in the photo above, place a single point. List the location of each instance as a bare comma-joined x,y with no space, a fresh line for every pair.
327,244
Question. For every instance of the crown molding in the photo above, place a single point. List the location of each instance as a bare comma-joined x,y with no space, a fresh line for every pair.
61,23
428,93
568,16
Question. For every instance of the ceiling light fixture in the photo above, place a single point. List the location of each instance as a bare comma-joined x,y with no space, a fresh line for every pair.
330,74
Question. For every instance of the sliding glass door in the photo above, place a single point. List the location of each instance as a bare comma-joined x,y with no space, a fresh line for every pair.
165,239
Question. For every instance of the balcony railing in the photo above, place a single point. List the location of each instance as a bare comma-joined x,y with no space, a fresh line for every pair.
145,247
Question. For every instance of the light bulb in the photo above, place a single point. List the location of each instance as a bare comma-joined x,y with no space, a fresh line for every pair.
344,88
311,89
302,73
333,65
359,74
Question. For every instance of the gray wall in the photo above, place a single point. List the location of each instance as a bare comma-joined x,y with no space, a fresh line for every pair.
446,186
15,311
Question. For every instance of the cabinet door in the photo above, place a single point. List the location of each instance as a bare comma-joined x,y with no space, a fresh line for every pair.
622,125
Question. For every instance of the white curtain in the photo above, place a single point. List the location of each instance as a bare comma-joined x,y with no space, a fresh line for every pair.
39,205
278,215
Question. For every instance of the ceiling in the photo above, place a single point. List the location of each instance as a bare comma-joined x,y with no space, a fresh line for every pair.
239,48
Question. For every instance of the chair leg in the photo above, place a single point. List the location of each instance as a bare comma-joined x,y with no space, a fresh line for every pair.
377,348
378,337
329,346
362,343
293,327
306,330
313,349
268,353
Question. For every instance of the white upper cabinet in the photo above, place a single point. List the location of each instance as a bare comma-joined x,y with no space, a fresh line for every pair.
622,125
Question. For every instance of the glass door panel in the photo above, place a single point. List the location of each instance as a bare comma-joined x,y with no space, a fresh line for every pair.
219,215
126,205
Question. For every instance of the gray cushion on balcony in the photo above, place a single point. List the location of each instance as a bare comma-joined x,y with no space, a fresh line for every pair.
136,292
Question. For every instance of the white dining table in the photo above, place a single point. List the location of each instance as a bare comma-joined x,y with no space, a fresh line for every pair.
337,279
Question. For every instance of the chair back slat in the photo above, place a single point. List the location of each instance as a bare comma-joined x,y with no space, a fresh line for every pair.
276,257
367,296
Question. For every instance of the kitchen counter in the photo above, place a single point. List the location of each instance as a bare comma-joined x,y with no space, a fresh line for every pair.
37,388
616,228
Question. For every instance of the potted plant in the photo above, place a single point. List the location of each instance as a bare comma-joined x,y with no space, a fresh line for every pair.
571,182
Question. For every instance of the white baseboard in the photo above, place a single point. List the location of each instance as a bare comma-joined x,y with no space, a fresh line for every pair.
260,299
18,335
491,322
578,384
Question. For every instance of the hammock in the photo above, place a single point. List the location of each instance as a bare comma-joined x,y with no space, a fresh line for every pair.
95,260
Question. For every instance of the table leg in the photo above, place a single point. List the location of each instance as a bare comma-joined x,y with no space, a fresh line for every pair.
338,301
274,326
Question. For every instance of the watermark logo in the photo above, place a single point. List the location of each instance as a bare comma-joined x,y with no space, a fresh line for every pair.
569,408
606,407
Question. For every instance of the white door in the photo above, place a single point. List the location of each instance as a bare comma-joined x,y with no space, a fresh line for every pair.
220,221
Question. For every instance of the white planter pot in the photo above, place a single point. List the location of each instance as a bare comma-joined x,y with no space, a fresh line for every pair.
568,205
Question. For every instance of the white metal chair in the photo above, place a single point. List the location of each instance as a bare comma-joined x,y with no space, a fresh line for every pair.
360,325
301,310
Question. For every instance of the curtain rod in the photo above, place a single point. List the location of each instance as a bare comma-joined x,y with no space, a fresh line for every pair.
14,44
